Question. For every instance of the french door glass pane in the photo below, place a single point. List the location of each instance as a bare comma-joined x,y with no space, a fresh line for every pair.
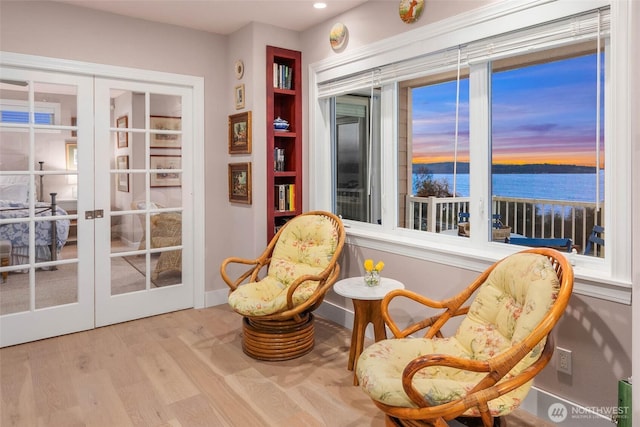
36,140
146,191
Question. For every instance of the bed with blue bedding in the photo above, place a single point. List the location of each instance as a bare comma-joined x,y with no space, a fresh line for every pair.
14,227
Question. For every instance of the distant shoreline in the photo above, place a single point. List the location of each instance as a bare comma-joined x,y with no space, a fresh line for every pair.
534,168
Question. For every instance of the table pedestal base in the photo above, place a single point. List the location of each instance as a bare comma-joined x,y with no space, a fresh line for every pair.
365,312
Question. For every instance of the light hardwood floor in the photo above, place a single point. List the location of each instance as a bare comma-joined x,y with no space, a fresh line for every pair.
182,369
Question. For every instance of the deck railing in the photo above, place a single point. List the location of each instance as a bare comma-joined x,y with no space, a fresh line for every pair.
538,218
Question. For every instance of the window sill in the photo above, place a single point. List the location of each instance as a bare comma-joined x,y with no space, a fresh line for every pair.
447,250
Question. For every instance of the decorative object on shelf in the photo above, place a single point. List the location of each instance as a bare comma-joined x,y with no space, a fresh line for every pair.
240,133
123,178
238,69
410,10
372,272
338,36
172,138
240,182
280,124
123,136
71,149
167,175
239,96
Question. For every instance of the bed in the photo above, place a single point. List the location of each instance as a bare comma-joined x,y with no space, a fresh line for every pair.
14,204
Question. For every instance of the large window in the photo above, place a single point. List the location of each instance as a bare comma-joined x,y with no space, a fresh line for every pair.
503,135
438,149
548,147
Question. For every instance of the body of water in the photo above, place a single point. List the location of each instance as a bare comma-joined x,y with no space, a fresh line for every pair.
570,187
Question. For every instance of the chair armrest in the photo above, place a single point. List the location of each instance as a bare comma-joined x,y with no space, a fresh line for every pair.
496,368
251,273
322,279
429,360
451,307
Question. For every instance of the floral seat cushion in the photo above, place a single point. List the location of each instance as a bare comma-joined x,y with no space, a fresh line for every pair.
509,305
305,246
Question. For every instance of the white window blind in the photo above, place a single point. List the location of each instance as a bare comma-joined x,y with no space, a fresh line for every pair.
575,29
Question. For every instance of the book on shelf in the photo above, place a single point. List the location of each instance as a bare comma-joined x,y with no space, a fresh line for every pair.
278,159
284,197
282,76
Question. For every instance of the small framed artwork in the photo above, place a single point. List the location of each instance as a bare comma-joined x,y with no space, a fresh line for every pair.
239,96
240,182
71,149
123,136
240,133
123,178
74,122
168,174
170,139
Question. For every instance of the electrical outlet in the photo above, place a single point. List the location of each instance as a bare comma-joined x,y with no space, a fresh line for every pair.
563,360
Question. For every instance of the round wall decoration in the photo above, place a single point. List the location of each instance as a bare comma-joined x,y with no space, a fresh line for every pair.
410,10
338,36
238,68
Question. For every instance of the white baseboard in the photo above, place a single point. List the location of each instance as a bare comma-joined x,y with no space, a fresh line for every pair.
218,297
542,404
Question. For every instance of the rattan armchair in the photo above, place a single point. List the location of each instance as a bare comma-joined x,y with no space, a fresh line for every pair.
277,294
486,368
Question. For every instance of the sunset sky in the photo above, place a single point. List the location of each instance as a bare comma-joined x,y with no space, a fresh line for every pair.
541,114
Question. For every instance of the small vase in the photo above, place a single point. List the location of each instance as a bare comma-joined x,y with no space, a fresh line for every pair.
372,278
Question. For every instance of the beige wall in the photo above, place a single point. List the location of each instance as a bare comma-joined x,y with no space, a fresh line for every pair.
598,332
62,31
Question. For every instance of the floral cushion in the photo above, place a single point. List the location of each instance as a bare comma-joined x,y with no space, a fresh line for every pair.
508,306
305,246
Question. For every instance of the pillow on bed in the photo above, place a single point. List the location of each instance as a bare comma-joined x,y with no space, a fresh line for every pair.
15,192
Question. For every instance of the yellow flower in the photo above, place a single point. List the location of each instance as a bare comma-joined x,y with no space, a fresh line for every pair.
368,264
379,266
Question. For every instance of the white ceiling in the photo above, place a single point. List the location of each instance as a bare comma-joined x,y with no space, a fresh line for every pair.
225,16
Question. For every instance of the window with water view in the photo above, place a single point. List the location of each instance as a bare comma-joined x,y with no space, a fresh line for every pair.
547,162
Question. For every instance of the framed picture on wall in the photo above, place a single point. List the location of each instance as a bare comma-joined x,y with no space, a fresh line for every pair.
71,149
240,182
123,178
239,96
240,133
123,136
167,174
168,135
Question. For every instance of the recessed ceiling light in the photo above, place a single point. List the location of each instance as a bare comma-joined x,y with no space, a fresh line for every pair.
319,5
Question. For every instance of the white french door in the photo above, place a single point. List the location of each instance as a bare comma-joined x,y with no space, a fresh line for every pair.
45,157
143,137
110,153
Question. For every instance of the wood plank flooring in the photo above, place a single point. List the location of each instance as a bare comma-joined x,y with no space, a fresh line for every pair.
182,369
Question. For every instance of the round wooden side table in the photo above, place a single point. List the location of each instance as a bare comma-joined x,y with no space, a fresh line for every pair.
367,303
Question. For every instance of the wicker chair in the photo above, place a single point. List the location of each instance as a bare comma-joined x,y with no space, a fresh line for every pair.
299,266
486,368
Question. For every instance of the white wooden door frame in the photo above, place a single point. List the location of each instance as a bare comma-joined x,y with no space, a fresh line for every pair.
47,323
